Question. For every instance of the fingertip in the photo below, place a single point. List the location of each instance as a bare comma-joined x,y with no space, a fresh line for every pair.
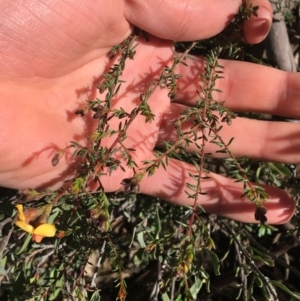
257,27
280,207
223,196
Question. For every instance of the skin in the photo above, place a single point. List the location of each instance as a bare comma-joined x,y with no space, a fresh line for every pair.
54,53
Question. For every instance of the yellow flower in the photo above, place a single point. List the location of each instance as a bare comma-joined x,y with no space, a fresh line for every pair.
39,217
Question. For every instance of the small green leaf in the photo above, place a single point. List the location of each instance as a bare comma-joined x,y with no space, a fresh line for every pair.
284,288
157,224
196,287
3,271
140,238
268,262
25,244
139,257
215,261
165,297
95,296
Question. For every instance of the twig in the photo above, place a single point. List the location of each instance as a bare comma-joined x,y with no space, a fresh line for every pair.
271,291
93,283
5,240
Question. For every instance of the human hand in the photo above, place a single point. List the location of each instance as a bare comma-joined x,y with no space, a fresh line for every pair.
53,55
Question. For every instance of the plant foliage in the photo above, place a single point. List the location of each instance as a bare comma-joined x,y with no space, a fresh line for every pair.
146,247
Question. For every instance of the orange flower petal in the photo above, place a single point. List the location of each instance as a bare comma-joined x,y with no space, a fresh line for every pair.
26,227
61,234
21,216
37,238
45,230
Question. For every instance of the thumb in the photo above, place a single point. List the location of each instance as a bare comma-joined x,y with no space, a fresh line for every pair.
192,20
257,27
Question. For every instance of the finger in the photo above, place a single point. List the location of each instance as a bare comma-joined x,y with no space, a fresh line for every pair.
223,195
192,20
57,38
264,140
245,87
257,27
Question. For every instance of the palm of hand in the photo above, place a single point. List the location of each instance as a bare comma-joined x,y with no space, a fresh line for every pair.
56,70
40,119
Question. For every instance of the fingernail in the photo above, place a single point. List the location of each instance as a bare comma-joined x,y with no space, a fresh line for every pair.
261,24
260,27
